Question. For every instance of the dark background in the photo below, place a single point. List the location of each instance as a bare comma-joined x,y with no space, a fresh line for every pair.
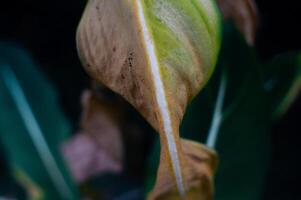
47,29
280,32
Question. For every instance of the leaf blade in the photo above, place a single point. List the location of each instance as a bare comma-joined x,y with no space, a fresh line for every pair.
158,64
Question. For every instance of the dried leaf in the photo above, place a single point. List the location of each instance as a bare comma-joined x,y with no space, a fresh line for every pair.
98,147
86,159
201,165
245,15
158,54
101,120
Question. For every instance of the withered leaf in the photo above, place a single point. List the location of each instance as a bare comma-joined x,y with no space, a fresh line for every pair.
98,147
85,159
199,170
102,121
245,15
157,54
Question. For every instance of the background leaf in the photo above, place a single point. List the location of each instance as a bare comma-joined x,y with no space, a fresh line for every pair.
243,142
282,76
26,158
245,15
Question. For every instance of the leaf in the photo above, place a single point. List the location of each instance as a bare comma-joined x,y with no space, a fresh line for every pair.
97,149
282,76
101,120
158,54
244,144
201,162
114,113
32,125
86,159
245,15
242,135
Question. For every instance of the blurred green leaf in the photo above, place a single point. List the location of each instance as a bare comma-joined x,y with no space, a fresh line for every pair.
32,127
243,141
282,76
242,130
243,133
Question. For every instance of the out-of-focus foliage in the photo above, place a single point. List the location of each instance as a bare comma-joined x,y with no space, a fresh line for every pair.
282,76
40,169
98,147
245,15
243,142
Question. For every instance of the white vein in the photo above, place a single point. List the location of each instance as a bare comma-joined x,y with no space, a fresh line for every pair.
217,115
161,99
35,132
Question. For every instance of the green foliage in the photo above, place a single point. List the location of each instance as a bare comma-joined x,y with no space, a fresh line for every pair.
243,135
282,76
33,154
